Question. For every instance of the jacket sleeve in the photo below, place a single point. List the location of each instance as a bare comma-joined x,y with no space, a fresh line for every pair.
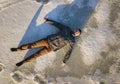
56,24
68,54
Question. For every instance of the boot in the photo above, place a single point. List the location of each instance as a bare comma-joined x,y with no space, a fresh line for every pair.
20,63
14,49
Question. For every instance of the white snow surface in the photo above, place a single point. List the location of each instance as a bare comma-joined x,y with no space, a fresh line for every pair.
96,55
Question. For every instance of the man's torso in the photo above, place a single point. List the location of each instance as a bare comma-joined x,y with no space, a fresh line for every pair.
59,40
62,38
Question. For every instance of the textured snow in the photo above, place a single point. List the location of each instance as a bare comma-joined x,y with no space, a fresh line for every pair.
96,55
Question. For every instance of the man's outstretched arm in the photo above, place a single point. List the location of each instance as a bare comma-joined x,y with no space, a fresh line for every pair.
67,56
56,24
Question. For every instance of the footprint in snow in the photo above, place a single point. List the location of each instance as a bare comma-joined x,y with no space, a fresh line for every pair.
1,67
39,79
17,76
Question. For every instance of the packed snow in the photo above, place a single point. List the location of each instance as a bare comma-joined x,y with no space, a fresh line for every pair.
96,55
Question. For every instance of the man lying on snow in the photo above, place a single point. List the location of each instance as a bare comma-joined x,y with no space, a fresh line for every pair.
53,42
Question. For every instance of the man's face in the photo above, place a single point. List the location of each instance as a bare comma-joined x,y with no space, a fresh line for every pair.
76,33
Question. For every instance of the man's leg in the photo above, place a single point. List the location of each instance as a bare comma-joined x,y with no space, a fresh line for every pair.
39,53
35,44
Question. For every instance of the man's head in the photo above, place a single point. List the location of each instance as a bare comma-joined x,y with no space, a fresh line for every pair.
76,33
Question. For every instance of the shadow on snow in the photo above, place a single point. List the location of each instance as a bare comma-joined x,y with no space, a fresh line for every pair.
74,15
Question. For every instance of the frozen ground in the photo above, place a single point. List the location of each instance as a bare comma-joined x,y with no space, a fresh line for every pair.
95,58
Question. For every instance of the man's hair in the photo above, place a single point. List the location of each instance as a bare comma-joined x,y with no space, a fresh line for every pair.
78,30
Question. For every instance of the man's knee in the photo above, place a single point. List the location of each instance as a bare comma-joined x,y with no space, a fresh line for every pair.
47,49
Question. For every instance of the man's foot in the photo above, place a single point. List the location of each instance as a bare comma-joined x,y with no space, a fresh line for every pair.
45,1
13,49
19,64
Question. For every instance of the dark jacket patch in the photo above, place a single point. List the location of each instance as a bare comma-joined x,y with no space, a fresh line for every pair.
56,42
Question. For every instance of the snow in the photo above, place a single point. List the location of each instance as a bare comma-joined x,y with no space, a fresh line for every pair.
96,55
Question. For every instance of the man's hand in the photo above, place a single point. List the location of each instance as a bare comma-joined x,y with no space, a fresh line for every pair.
45,19
63,64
